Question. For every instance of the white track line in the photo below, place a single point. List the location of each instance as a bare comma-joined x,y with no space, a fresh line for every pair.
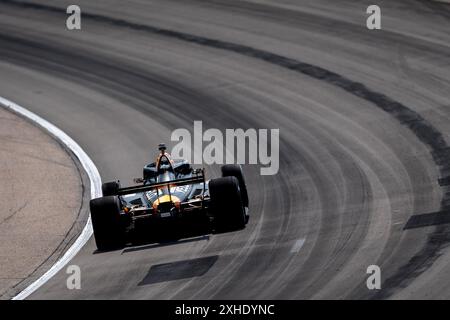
96,192
298,245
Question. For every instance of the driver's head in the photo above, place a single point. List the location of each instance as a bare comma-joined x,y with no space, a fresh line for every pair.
162,148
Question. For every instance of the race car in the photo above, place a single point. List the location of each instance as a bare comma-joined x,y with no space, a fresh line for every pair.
170,195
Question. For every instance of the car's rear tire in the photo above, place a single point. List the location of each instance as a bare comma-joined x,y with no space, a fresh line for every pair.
110,188
226,204
109,231
233,170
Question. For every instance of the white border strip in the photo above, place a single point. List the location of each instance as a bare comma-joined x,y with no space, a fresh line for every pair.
95,181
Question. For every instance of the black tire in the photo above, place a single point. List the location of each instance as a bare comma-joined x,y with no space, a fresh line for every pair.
109,232
110,188
150,172
233,170
226,204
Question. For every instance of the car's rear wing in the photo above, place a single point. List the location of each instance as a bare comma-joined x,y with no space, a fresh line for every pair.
199,177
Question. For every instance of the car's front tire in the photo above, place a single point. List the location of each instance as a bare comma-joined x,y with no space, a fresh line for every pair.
233,170
109,231
226,204
110,188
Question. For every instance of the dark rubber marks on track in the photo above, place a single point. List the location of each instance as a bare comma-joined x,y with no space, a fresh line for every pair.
178,270
428,219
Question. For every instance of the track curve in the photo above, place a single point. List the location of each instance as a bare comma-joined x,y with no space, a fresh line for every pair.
364,127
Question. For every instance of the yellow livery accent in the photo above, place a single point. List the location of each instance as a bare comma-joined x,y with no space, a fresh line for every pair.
166,198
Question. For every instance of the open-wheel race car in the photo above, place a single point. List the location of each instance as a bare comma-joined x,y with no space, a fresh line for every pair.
171,196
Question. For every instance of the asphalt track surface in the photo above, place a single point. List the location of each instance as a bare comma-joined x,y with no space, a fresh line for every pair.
364,136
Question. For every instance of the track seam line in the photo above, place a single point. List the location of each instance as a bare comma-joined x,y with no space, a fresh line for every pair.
95,185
